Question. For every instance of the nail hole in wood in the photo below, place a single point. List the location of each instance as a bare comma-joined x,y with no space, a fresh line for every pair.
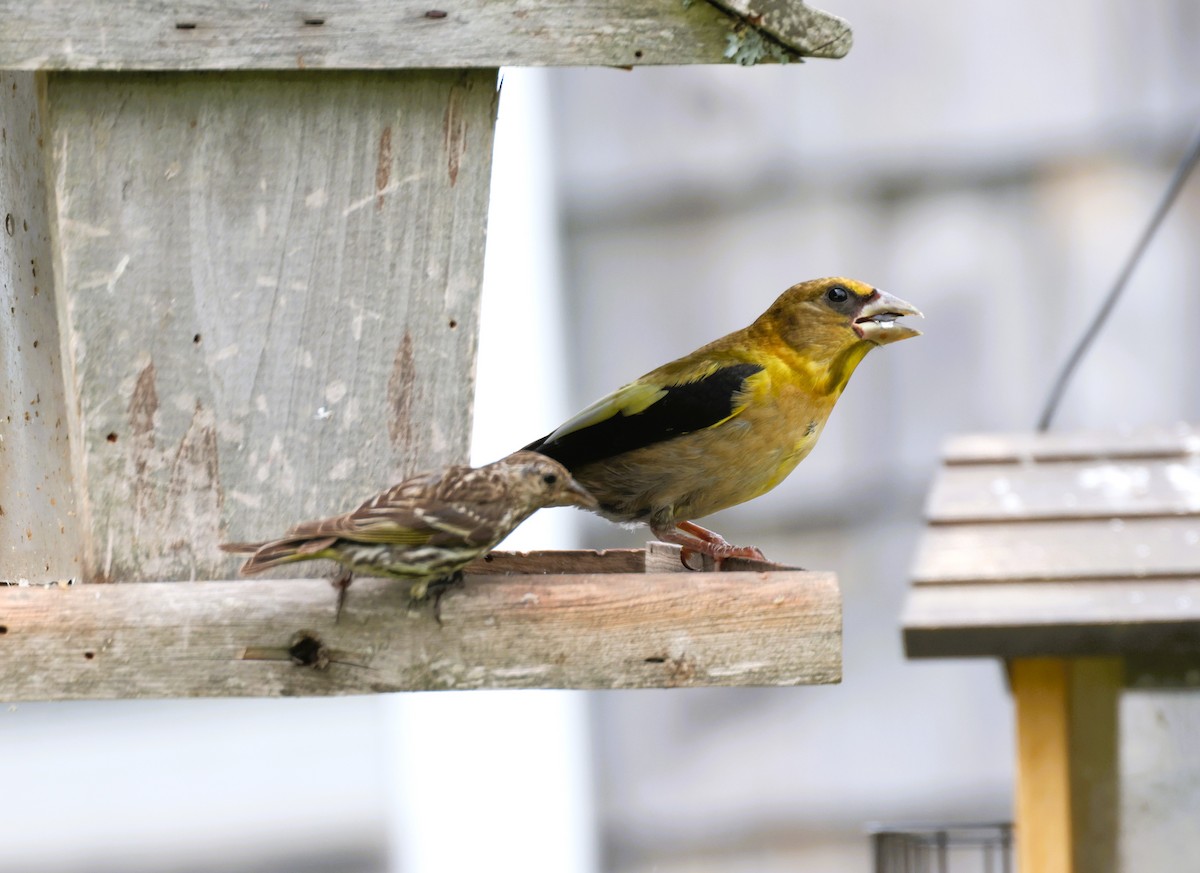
89,655
3,629
196,339
112,437
638,54
453,323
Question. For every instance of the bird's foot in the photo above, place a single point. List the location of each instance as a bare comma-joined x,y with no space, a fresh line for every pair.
341,582
438,587
696,540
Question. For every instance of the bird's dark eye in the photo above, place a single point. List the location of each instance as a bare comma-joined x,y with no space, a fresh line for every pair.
837,294
550,479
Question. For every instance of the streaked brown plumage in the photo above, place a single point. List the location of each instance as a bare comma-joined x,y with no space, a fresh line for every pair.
428,527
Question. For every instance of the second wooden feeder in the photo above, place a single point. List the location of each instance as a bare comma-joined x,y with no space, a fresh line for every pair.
1076,558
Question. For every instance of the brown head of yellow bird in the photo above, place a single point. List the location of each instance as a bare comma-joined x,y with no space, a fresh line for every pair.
428,527
731,420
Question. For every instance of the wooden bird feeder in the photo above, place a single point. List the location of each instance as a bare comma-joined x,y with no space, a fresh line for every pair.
240,267
1076,559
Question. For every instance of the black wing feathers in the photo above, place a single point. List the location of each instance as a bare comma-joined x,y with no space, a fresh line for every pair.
685,408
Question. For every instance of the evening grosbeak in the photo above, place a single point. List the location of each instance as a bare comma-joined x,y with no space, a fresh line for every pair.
427,528
729,421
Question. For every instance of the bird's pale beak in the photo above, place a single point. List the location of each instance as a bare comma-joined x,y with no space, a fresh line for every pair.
579,496
877,320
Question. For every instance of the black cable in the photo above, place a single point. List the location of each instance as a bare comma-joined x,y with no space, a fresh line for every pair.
1182,172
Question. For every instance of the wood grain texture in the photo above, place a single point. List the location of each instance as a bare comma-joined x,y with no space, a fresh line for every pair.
586,630
794,24
1093,488
270,286
383,34
1175,440
1028,551
560,561
39,527
1057,619
1060,544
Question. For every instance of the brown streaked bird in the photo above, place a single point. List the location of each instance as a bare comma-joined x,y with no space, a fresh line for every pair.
427,528
729,421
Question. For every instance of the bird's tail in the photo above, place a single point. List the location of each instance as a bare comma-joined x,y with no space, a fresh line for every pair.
264,556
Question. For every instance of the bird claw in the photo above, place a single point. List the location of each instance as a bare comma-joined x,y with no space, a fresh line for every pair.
341,582
439,587
696,540
719,552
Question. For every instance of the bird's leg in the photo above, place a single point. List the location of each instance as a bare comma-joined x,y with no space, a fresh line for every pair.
341,582
693,539
438,587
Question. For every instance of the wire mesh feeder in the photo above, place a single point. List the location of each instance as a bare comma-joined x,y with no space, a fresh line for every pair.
943,848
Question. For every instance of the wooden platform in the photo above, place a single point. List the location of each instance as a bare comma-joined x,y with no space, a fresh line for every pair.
1084,544
538,620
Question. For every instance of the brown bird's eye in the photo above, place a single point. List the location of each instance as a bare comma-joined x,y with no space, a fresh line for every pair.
550,479
837,294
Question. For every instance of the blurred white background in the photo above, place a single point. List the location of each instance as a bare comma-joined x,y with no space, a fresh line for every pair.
991,163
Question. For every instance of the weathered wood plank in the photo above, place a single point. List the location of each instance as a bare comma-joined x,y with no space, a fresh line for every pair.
1027,551
1055,619
1066,490
39,526
385,34
270,286
560,562
623,630
1147,442
794,24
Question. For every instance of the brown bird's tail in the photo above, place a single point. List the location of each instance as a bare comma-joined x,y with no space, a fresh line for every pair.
264,556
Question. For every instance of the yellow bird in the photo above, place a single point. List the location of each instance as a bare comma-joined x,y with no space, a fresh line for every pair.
729,421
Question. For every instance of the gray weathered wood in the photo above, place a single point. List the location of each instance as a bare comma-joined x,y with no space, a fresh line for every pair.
39,528
1163,486
584,630
375,34
794,24
1027,551
1180,439
1060,544
269,286
1052,618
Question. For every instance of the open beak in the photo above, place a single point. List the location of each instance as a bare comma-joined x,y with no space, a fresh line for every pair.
877,321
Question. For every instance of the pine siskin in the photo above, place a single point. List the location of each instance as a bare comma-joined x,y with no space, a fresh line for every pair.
427,528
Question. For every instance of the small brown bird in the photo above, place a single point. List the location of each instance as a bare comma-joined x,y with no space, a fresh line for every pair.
729,421
427,528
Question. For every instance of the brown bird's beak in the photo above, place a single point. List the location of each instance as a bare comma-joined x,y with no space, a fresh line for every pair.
579,496
877,320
